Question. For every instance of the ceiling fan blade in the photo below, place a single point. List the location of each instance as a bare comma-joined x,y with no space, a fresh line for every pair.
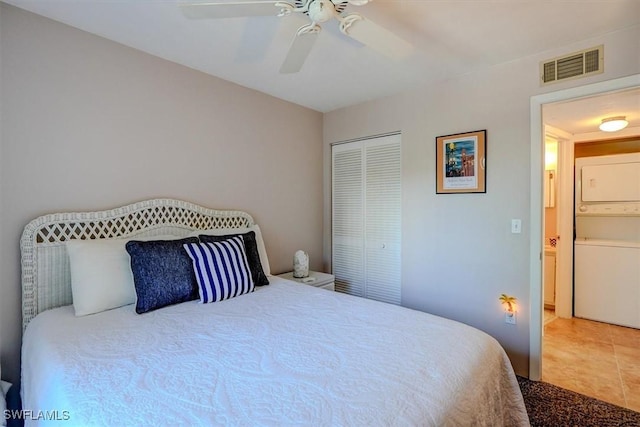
300,48
231,9
374,36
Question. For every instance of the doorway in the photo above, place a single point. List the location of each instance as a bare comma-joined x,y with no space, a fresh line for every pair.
557,234
536,202
594,358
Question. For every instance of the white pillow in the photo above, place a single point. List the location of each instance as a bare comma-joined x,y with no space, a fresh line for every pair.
3,407
4,388
101,277
262,250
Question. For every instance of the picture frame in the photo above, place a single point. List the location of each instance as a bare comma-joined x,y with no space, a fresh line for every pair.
461,163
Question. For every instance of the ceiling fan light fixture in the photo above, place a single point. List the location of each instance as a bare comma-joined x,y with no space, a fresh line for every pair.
613,124
321,10
318,12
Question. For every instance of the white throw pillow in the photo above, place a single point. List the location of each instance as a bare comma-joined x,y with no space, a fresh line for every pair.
101,277
262,250
4,388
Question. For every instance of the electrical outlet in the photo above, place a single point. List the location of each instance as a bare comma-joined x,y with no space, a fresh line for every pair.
510,317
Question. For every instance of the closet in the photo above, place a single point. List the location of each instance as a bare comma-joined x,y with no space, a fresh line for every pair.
366,217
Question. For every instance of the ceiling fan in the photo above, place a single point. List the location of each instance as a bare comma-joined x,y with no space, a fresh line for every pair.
319,11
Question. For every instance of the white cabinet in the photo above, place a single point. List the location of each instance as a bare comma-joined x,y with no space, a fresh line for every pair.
317,279
549,278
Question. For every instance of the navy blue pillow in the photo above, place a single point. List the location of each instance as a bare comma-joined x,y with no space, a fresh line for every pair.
14,404
251,249
162,273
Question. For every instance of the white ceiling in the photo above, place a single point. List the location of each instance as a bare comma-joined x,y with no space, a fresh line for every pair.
450,37
583,116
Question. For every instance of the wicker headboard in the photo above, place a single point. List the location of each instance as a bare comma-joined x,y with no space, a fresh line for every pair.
46,278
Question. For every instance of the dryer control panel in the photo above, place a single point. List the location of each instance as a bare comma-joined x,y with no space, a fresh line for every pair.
613,209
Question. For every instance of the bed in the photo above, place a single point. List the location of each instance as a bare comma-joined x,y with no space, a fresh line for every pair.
278,354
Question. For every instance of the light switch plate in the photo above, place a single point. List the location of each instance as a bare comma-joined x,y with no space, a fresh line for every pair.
516,226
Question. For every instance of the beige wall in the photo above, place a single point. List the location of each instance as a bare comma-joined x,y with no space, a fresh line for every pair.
550,224
90,124
458,254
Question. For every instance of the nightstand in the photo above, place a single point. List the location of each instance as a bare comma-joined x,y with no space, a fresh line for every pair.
317,279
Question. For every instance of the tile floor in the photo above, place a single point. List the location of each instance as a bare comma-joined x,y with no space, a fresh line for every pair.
593,358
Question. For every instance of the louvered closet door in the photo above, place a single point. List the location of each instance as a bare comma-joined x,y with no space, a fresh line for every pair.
348,212
367,218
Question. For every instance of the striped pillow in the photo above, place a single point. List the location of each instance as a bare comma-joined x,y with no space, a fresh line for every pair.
221,269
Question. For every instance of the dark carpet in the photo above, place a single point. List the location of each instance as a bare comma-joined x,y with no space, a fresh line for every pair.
551,406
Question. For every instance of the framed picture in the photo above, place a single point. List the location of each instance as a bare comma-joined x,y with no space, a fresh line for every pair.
461,163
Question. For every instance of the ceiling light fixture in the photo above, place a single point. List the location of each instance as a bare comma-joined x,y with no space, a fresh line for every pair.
613,124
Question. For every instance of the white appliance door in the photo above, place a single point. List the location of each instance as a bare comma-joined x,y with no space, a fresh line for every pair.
611,183
607,281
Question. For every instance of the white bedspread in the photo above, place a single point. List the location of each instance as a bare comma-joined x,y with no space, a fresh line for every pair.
287,354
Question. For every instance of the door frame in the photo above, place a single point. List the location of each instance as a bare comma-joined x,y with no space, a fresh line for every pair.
564,222
537,206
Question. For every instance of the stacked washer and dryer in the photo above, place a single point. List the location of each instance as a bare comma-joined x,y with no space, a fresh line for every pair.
607,244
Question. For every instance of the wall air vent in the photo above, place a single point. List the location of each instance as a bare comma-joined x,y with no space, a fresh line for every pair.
574,65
